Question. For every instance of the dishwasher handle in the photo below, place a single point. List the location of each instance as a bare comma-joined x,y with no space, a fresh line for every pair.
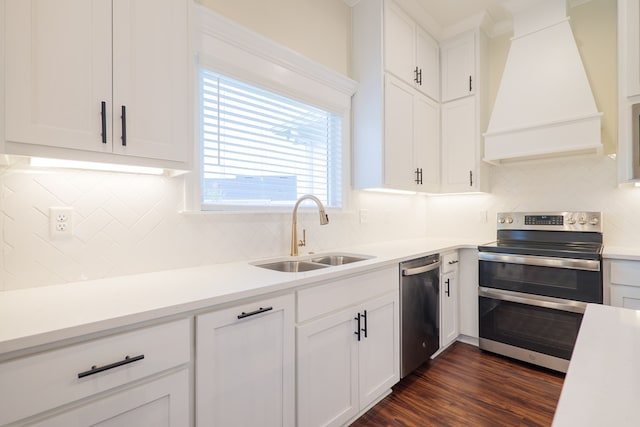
421,269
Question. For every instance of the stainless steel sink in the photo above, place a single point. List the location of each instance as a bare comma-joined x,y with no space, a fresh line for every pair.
291,266
312,263
338,259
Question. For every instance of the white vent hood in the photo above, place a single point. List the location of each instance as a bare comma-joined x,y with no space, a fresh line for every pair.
544,105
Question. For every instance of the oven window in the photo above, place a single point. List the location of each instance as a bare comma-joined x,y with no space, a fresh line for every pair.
577,285
538,329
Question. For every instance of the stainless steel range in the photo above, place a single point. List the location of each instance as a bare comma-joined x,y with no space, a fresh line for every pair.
535,283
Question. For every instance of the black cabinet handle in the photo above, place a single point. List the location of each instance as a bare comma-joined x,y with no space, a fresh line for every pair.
415,72
253,313
357,332
453,262
420,77
418,173
364,316
470,178
103,114
95,369
448,290
124,126
470,84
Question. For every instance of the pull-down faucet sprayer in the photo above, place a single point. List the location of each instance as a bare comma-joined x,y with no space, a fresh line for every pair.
324,219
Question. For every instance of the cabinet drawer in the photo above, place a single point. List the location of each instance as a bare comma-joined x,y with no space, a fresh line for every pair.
448,262
625,273
325,298
44,381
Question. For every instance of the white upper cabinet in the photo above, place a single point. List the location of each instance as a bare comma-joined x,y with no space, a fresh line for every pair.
395,127
411,136
74,66
428,62
410,53
464,113
458,67
459,142
629,20
628,89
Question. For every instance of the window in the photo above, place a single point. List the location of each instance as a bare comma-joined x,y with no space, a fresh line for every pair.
260,148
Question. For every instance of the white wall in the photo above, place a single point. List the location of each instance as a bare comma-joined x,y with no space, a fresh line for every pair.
568,183
318,29
127,224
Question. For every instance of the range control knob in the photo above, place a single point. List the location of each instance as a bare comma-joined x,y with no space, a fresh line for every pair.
594,221
501,220
582,220
509,220
571,220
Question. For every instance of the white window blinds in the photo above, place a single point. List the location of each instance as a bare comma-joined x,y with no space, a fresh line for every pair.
260,148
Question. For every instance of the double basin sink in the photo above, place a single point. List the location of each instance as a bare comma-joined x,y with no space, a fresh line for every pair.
312,263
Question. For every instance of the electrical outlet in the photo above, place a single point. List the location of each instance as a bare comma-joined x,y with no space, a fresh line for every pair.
364,216
61,222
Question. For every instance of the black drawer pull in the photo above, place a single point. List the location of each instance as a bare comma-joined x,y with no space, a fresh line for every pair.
253,313
94,369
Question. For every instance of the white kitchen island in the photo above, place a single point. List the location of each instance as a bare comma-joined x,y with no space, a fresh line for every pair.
602,386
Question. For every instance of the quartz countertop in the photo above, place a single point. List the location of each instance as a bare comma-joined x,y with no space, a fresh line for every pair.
40,316
622,252
602,385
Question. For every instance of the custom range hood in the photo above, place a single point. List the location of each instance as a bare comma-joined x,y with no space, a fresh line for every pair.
544,105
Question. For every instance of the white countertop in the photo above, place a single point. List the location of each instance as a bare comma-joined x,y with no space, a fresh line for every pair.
39,316
602,386
622,252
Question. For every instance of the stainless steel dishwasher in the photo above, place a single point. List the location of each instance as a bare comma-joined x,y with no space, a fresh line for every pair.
419,311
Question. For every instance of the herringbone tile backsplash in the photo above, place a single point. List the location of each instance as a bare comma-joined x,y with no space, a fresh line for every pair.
126,224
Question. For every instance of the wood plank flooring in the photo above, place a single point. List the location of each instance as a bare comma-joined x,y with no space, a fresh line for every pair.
465,386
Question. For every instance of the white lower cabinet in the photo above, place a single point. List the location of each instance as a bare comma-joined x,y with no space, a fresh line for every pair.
449,299
245,365
136,378
622,278
349,358
161,402
468,293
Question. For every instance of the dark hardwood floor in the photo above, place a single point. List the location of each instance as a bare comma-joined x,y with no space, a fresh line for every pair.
465,386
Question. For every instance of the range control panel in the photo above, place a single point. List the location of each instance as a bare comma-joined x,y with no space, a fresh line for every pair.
544,220
559,221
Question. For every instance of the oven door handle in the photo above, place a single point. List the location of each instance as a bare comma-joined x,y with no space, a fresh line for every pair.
421,269
535,300
569,263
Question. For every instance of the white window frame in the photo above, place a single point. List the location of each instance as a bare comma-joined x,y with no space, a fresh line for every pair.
227,48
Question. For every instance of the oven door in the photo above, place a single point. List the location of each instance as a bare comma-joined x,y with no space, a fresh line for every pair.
535,329
566,278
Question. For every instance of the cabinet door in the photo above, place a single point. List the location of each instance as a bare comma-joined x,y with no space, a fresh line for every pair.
399,170
426,143
327,370
625,296
161,402
246,361
458,68
428,62
58,72
459,145
449,328
378,351
399,43
632,44
151,78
